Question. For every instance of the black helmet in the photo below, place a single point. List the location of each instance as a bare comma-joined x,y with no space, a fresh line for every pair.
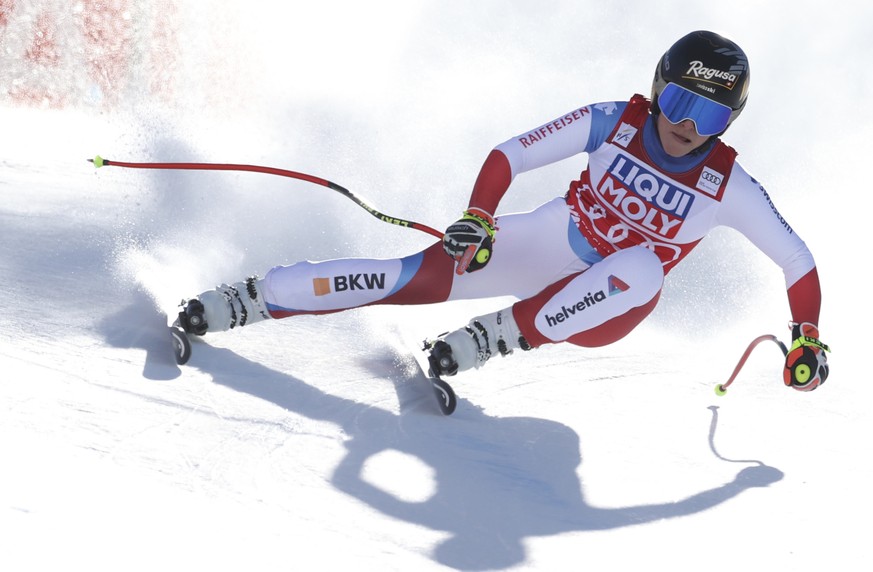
708,65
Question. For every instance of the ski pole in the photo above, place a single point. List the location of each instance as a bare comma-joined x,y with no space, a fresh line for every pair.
101,162
721,388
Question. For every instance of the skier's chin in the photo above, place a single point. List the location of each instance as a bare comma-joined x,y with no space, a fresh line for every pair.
678,141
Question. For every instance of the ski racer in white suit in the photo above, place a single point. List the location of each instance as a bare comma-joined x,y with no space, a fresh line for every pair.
587,267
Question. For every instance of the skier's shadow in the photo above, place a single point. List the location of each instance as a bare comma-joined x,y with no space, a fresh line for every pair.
497,480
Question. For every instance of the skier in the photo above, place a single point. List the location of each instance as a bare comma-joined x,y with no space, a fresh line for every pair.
587,267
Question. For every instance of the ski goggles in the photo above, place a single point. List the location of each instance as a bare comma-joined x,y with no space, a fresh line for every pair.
678,104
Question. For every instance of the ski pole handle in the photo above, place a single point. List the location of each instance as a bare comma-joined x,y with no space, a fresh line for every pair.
465,260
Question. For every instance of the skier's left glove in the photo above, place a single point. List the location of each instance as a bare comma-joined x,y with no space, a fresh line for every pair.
469,241
806,364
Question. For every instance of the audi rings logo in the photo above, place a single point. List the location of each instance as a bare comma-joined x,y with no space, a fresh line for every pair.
712,177
710,181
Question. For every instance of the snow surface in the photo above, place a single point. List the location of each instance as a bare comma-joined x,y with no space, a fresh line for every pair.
310,443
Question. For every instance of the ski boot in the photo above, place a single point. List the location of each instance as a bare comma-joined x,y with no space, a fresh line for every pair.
475,343
224,308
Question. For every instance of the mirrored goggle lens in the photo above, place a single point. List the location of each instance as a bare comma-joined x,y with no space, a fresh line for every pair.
678,104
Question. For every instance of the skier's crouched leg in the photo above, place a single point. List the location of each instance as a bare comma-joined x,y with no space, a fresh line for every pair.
595,307
224,308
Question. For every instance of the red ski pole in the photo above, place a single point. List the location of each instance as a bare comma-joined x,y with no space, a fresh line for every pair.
101,162
721,388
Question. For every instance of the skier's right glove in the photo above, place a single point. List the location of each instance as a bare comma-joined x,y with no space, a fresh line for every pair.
469,241
806,364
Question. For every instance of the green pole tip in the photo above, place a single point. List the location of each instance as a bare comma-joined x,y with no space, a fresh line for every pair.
98,161
720,390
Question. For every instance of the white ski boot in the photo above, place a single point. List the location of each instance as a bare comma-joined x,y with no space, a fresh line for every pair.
224,308
475,343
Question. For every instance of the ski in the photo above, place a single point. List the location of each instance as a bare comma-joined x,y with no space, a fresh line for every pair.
445,395
443,392
180,341
181,345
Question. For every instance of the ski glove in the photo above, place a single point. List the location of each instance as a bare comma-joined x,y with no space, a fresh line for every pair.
806,364
469,241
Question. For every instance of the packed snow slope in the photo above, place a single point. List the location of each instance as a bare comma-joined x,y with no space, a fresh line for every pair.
311,443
